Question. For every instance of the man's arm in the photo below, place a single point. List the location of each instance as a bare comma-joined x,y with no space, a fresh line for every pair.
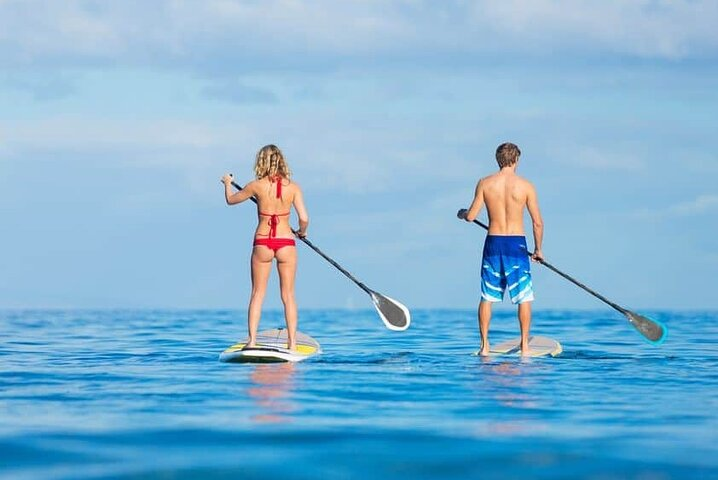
236,197
478,202
535,212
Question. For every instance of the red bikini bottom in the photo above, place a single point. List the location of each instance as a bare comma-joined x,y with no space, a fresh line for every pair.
274,243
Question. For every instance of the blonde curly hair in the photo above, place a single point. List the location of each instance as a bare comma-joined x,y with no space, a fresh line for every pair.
271,163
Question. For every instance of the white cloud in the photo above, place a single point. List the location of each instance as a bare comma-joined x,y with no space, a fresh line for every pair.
594,159
702,204
325,152
42,88
644,28
703,163
281,33
238,92
67,133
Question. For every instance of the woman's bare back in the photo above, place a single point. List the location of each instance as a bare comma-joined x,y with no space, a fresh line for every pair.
265,191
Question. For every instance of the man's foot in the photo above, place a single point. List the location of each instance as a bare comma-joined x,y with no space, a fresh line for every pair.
484,352
525,350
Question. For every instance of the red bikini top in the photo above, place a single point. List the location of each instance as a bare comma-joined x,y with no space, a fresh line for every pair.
274,217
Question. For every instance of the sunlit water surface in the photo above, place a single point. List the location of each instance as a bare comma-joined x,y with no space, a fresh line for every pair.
140,394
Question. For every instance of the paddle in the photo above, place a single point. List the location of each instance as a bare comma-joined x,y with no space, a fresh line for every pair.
394,315
653,331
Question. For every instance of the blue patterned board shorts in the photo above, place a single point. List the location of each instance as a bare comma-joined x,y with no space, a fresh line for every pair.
505,264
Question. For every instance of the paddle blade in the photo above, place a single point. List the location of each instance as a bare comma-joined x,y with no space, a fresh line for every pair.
394,315
653,331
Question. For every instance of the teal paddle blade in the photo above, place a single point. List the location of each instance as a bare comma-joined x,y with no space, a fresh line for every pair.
653,331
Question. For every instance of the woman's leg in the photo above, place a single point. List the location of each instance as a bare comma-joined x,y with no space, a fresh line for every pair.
261,267
287,267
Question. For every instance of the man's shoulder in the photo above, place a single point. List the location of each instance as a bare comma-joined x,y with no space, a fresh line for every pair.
488,178
524,181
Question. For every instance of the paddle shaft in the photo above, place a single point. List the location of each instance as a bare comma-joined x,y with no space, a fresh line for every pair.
569,278
322,254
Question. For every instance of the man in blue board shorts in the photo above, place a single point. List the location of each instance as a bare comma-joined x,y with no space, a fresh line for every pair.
505,263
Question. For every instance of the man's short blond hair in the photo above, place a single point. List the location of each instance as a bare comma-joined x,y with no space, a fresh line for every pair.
507,154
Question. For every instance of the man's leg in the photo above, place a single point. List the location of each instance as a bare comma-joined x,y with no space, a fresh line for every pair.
525,325
484,320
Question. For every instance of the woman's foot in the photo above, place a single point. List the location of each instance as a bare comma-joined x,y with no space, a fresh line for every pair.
485,349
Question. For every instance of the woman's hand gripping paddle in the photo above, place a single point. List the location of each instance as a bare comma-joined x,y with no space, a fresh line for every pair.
394,315
653,331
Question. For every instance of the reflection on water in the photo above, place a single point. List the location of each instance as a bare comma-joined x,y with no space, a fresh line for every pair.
270,388
512,384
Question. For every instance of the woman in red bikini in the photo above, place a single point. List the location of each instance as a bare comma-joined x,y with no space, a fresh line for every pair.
275,193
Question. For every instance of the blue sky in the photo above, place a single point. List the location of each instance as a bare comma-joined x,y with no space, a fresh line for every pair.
117,119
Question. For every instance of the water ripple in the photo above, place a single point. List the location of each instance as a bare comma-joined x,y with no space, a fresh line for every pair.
140,394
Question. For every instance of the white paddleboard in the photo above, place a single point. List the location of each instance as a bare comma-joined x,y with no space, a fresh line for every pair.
271,347
538,347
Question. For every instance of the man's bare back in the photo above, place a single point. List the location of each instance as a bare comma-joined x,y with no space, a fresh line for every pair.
506,194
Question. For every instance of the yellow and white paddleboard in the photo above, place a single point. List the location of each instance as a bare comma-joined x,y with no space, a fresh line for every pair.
271,347
538,347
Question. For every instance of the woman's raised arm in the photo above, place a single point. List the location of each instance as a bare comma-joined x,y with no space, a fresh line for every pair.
236,197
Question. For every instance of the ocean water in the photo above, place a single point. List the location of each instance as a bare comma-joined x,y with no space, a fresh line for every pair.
140,394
